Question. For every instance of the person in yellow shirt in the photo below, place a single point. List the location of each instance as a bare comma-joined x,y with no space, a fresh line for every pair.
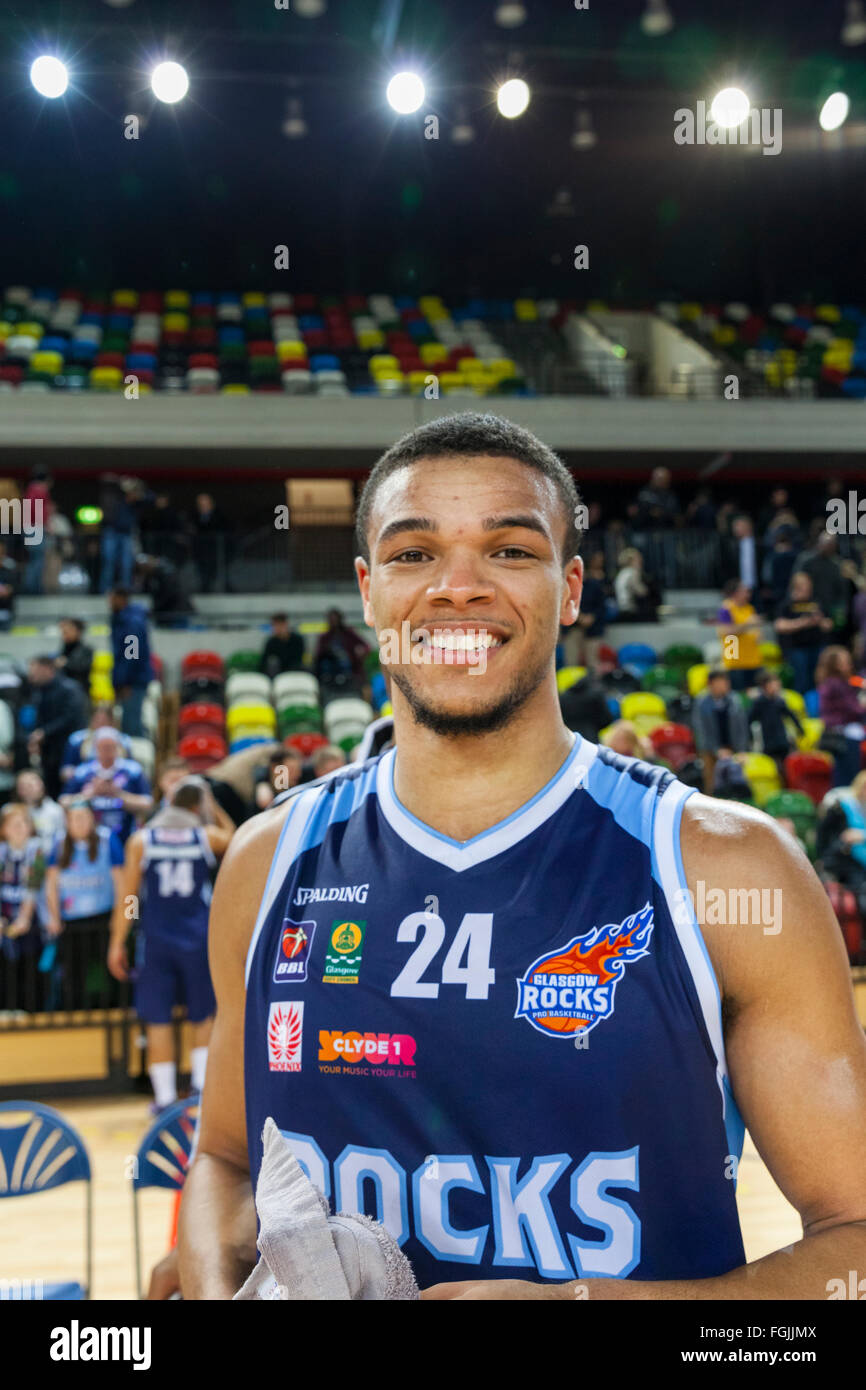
739,628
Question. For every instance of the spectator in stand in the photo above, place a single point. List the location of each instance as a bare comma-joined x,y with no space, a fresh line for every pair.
116,534
622,737
841,706
211,539
657,506
47,815
701,514
79,745
340,652
778,567
803,630
284,771
130,643
772,715
171,605
841,840
60,710
116,787
829,585
41,509
720,724
739,629
174,770
590,625
584,707
284,649
8,586
636,596
22,872
76,658
164,530
82,883
779,502
7,749
327,759
745,552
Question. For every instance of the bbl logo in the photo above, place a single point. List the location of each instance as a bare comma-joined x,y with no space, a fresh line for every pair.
345,948
571,990
293,952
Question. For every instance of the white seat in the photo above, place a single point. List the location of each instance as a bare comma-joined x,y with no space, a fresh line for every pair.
143,752
347,708
247,685
295,683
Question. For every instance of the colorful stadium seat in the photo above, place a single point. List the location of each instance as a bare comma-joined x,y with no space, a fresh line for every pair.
762,775
811,773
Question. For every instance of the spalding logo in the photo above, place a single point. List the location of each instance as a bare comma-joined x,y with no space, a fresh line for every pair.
571,990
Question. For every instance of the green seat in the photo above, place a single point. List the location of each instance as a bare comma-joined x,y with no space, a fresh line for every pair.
372,664
799,808
682,655
244,661
299,719
663,676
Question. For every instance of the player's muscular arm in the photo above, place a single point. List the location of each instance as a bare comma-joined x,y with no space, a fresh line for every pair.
797,1061
796,1055
217,1228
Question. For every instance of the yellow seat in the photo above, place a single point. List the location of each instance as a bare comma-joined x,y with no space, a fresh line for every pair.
830,313
371,338
696,677
101,690
567,676
291,349
175,323
813,729
384,363
647,723
525,310
103,663
418,382
254,299
46,362
30,330
642,703
433,352
252,713
762,776
176,299
451,381
125,299
724,334
770,653
106,378
502,367
691,311
794,700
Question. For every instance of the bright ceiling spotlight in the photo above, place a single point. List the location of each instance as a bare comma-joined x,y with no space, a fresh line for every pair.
169,82
405,92
512,98
510,15
834,112
49,76
730,107
656,19
854,28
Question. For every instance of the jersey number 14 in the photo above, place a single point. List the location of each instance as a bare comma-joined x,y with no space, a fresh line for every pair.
467,961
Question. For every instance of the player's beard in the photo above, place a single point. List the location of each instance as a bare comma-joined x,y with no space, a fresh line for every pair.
485,719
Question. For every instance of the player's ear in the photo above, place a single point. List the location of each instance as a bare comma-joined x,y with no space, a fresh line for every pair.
362,571
572,581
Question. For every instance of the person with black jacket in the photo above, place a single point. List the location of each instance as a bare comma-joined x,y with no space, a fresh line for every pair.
76,658
284,649
585,709
770,711
61,708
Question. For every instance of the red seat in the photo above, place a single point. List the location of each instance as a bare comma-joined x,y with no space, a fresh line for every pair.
202,663
306,744
157,666
202,750
202,718
844,905
673,742
811,773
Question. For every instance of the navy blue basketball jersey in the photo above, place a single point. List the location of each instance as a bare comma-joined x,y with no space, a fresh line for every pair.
509,1050
177,875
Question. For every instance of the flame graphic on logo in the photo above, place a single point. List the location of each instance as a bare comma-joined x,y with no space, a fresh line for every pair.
604,952
284,1034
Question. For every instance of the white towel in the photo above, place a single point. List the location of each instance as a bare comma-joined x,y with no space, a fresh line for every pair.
307,1254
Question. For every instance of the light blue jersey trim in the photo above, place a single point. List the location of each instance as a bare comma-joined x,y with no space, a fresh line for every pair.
311,814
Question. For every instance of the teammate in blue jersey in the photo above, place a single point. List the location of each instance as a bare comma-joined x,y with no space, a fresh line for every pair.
168,870
467,977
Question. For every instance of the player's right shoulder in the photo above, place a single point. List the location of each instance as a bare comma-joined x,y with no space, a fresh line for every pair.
243,874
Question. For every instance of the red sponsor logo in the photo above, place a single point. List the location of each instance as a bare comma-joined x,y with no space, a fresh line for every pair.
285,1034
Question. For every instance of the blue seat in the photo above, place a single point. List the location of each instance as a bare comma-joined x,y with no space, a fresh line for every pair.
162,1160
637,656
324,362
39,1150
812,702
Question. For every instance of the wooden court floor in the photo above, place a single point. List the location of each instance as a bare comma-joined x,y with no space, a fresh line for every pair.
43,1235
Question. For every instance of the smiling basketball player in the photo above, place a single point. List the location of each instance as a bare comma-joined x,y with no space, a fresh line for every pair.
506,1035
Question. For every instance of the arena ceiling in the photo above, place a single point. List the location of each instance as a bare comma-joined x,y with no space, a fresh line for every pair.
364,201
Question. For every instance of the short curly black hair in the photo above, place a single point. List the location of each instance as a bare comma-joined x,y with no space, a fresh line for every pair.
472,435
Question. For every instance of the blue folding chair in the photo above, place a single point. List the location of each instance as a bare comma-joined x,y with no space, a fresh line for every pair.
39,1150
162,1161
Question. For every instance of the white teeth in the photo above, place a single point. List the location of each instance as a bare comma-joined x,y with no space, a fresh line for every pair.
459,641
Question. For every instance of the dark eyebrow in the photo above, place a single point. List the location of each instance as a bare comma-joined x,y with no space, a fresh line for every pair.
407,523
527,522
